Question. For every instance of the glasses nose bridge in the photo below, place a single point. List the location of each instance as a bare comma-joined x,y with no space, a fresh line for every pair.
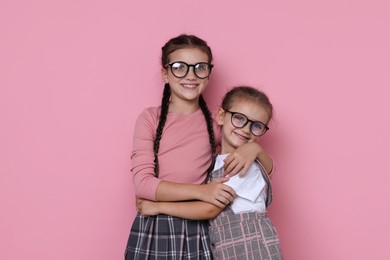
189,69
248,125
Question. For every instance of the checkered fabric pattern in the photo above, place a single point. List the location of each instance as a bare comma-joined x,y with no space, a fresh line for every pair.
250,236
166,237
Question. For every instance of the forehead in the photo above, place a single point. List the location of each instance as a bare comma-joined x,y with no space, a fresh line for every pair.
251,109
188,55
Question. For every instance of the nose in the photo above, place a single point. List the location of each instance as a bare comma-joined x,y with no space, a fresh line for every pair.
191,73
247,127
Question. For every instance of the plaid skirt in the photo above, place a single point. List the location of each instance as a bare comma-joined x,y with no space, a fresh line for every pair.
244,236
167,237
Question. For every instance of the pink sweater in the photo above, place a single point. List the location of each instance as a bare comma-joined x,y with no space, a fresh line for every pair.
184,154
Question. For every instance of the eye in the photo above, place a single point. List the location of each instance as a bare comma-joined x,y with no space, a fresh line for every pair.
178,66
201,66
239,119
258,127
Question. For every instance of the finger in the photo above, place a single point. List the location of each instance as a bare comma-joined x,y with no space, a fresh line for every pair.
237,168
223,201
227,198
244,171
232,193
219,204
228,159
221,180
229,167
228,193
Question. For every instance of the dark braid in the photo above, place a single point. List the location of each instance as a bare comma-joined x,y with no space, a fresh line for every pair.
209,123
161,123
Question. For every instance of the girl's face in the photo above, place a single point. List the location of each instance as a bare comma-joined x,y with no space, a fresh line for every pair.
185,90
233,137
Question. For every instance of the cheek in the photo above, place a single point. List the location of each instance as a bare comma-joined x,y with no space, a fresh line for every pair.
205,83
223,120
227,125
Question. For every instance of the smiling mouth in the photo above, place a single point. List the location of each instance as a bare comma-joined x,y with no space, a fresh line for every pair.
189,86
241,136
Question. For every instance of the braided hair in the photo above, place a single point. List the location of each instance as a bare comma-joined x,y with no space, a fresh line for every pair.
161,123
209,123
180,42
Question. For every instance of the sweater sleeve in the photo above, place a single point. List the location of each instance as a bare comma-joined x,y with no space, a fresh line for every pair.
142,158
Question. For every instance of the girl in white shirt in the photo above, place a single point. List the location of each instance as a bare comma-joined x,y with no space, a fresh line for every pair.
242,230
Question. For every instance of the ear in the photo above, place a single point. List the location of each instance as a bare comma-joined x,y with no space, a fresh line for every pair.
220,116
164,74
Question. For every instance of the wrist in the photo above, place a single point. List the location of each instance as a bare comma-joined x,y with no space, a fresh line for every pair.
159,208
199,192
260,153
194,192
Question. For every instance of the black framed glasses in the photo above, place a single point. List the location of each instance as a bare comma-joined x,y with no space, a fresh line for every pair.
180,69
240,121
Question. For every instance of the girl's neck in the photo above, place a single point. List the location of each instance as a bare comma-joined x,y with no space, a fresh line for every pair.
184,108
226,148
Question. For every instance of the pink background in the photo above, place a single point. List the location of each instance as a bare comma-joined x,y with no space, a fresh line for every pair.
74,75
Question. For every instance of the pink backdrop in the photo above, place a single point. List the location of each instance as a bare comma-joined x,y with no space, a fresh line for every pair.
74,74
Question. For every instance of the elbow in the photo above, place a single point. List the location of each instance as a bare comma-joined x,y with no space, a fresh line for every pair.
145,189
143,193
212,211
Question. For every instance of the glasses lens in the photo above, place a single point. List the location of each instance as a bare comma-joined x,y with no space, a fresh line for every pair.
202,70
238,120
258,128
179,69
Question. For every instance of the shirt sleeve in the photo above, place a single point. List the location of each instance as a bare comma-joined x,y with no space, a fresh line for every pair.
142,157
249,186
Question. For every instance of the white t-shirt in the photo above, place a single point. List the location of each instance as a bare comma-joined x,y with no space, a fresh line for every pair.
250,189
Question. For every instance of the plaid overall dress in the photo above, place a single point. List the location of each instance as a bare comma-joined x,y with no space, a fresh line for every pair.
249,235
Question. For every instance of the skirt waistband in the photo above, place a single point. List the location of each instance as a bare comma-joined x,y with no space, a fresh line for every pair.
230,217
